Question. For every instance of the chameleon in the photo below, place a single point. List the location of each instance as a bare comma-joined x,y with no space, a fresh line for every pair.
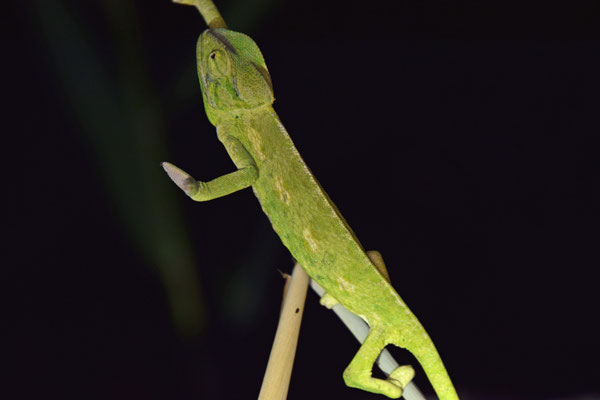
238,99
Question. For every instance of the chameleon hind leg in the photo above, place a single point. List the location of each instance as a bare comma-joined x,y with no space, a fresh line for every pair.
358,373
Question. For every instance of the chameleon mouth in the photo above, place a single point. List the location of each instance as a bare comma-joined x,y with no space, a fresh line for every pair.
211,91
221,96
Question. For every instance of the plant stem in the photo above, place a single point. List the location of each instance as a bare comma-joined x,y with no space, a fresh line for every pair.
279,368
208,10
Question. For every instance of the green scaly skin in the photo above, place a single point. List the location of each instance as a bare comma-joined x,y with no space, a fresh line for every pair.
238,99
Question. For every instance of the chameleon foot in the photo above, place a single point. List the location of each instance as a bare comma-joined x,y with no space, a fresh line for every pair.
386,387
328,301
393,387
181,178
402,375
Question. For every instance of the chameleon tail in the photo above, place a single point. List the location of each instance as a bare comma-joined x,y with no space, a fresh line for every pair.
427,355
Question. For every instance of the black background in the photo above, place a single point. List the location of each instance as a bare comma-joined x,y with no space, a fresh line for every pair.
456,138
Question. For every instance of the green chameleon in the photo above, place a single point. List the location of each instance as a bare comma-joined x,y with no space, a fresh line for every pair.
238,98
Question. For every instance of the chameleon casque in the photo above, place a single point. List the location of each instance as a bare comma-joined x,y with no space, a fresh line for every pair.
238,97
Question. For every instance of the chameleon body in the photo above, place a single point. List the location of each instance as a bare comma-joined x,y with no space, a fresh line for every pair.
238,98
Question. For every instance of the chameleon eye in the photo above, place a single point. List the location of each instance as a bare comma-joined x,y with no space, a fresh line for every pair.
218,63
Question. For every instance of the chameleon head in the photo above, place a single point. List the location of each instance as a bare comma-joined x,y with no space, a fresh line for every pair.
232,71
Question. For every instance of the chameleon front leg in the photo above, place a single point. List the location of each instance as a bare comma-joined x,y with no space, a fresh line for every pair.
245,176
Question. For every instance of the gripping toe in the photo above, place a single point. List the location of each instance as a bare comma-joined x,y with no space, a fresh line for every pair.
402,375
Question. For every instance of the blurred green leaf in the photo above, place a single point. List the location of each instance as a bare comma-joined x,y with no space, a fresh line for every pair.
122,119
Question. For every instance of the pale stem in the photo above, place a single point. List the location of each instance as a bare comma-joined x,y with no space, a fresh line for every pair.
281,360
208,10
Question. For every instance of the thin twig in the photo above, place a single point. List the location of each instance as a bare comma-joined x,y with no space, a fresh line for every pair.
279,369
208,10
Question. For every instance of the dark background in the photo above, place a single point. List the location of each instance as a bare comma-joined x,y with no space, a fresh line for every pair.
456,138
